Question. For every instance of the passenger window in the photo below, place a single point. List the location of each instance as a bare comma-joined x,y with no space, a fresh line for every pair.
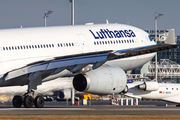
172,88
4,48
119,41
29,47
26,46
58,45
44,46
12,48
122,41
166,88
106,42
21,47
94,43
35,46
72,44
9,48
69,44
176,88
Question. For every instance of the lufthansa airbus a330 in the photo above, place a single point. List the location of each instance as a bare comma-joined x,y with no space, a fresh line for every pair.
96,55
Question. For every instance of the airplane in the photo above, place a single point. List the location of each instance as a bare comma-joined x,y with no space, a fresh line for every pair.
153,90
95,55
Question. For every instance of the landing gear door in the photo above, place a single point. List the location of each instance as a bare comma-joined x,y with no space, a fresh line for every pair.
84,43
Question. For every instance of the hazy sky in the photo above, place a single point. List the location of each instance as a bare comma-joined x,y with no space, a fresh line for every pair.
139,13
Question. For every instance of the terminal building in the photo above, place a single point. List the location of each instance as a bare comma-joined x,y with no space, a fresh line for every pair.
168,62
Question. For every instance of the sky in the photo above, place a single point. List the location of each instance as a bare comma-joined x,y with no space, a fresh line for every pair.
139,13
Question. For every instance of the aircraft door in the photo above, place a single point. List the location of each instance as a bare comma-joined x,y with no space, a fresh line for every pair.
141,38
84,44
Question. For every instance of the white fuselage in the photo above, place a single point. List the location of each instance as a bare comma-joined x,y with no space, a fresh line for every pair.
167,92
20,47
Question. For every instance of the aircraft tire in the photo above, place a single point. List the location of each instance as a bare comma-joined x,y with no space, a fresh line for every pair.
28,101
17,101
39,102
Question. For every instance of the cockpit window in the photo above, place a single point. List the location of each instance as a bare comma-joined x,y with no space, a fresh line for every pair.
150,38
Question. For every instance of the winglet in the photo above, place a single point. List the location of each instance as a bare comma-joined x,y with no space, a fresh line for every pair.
171,37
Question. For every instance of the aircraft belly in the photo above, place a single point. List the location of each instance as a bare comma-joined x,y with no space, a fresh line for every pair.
175,99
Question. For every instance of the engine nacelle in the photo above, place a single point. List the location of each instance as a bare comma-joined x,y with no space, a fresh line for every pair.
65,94
104,80
149,86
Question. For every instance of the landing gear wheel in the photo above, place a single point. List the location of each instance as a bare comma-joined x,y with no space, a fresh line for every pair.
39,102
17,101
28,101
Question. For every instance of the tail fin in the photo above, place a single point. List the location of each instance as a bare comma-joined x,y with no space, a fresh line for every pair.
171,37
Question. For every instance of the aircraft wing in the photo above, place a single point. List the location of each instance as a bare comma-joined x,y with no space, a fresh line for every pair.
133,96
169,44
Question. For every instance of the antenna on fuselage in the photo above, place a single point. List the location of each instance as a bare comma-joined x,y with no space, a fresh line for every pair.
107,22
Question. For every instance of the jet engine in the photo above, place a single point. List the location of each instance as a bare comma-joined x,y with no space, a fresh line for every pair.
149,86
103,80
65,94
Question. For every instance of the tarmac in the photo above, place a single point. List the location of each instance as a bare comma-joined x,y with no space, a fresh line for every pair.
159,107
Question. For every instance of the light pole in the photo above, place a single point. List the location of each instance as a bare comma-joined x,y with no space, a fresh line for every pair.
157,15
72,11
72,23
46,14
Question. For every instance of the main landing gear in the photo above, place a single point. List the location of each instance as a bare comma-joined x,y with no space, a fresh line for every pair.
28,101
